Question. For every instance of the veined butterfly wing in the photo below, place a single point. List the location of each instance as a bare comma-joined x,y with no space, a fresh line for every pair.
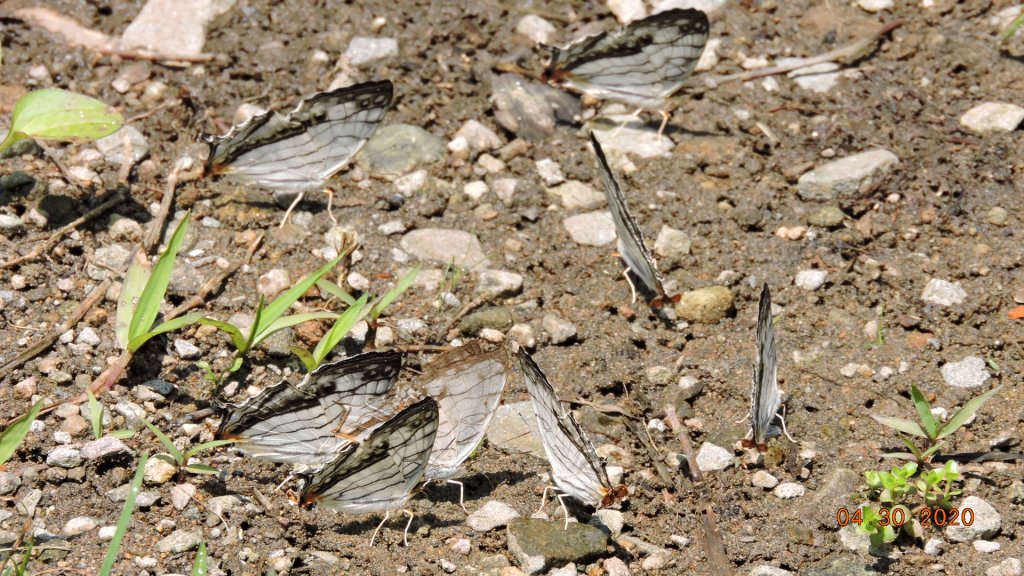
765,399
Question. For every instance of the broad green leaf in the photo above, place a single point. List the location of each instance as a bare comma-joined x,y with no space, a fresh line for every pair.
334,290
341,327
12,436
131,289
55,114
289,321
168,326
153,295
237,338
168,444
965,413
126,516
394,293
924,411
282,303
206,446
201,469
199,566
95,414
900,424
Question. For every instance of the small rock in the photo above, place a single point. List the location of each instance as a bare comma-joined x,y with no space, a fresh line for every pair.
627,140
672,243
159,469
273,283
358,282
462,547
179,541
561,331
987,522
689,387
826,217
64,457
788,490
997,216
530,109
514,430
847,178
106,533
181,495
615,567
769,571
711,457
88,337
591,228
820,78
1008,567
113,146
810,280
122,228
445,247
934,546
762,479
495,318
218,505
79,525
538,544
448,566
11,225
104,447
8,483
523,335
363,50
392,228
705,305
475,190
967,373
505,188
493,514
992,118
535,28
479,137
186,350
25,389
627,10
574,194
985,546
708,7
943,293
398,149
411,182
875,5
611,521
498,284
550,172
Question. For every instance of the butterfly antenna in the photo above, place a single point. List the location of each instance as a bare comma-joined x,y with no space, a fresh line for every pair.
782,419
290,208
386,516
405,535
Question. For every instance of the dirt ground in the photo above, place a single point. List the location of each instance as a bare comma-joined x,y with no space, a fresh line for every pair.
729,186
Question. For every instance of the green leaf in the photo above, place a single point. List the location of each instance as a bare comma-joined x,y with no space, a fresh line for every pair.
257,321
134,283
206,446
123,434
201,469
126,515
305,356
924,411
341,327
153,295
394,293
900,424
237,338
168,445
965,413
12,436
55,114
915,451
334,290
1012,28
168,326
289,321
282,303
199,566
95,414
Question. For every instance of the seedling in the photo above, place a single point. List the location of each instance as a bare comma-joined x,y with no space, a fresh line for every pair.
341,327
181,459
929,429
898,492
55,114
199,566
96,418
391,295
125,518
12,436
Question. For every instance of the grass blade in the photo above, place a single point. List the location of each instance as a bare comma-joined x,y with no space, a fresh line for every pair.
289,321
126,515
282,303
341,327
924,411
237,338
95,414
900,424
337,291
391,295
305,356
201,469
199,566
168,326
965,413
135,281
168,445
206,446
153,295
11,438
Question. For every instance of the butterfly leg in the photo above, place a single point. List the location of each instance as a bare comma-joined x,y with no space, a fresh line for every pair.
330,204
782,419
290,208
664,122
543,498
405,535
561,500
462,494
628,119
379,526
632,288
289,477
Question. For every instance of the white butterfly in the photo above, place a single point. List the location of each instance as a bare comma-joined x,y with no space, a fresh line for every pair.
378,474
576,468
308,424
630,241
765,398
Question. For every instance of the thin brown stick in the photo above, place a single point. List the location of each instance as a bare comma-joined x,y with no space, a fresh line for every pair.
720,564
17,543
150,55
684,439
157,226
52,239
652,452
470,306
516,69
51,154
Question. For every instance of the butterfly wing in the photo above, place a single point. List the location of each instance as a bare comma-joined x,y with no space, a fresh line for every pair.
308,424
630,240
575,466
379,473
641,64
301,150
765,399
466,383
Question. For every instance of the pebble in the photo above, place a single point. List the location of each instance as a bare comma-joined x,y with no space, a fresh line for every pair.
159,469
514,430
181,495
819,78
64,457
615,567
459,148
985,546
549,171
523,335
640,142
491,515
448,566
848,177
122,228
711,457
411,182
179,541
943,293
475,190
113,146
75,424
364,49
970,372
8,483
708,7
672,243
498,284
993,118
826,217
762,479
25,389
627,10
445,247
934,546
530,109
172,26
79,525
273,283
788,490
398,149
769,571
611,521
391,228
538,544
574,194
875,5
11,225
810,280
462,547
679,540
987,522
1008,567
709,57
505,188
499,318
705,305
560,330
106,532
104,447
689,387
358,282
591,228
478,136
186,350
535,28
489,164
997,216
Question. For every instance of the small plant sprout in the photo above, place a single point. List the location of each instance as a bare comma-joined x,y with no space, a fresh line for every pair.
342,326
928,430
12,436
199,566
391,295
182,459
125,518
55,114
143,292
96,419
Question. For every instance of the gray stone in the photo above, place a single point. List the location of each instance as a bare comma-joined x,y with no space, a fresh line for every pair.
641,142
611,521
591,228
875,5
967,373
104,447
89,337
144,499
514,430
830,494
186,350
163,387
847,178
398,149
9,483
706,6
992,118
491,515
550,172
627,10
479,137
529,109
505,188
498,284
615,567
819,78
560,330
789,490
179,541
535,28
574,194
1008,567
64,457
711,457
79,525
113,146
132,412
705,305
762,479
943,293
987,522
173,26
159,469
363,50
391,228
810,280
985,546
11,225
273,282
494,318
447,247
689,386
997,215
109,257
934,546
181,495
218,505
539,544
672,243
826,217
122,228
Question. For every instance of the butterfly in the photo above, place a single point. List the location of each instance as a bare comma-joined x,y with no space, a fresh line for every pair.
466,383
631,245
299,151
379,473
309,424
642,64
576,468
765,398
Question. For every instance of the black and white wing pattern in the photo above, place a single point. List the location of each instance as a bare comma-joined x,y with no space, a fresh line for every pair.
466,383
299,151
335,405
576,468
641,64
378,474
765,399
630,241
